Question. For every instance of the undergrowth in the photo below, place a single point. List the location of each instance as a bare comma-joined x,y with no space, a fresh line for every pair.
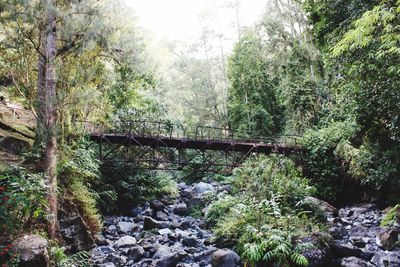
262,220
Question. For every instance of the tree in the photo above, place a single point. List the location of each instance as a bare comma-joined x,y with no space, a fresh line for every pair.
50,117
253,108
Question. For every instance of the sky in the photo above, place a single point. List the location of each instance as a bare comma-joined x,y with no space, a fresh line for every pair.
179,19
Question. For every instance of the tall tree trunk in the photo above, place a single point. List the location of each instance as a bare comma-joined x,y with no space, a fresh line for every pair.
50,116
41,100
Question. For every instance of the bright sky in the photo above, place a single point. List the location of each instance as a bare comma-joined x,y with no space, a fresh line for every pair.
179,19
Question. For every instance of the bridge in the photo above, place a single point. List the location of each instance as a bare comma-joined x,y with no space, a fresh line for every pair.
164,146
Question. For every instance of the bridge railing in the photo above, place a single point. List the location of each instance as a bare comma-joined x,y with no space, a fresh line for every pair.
165,129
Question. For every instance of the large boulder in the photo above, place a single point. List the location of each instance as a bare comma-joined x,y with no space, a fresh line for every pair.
32,251
387,239
202,188
225,258
323,205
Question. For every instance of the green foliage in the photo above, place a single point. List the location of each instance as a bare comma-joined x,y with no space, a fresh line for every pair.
78,169
391,217
127,186
253,107
58,258
220,208
265,176
262,220
22,198
324,167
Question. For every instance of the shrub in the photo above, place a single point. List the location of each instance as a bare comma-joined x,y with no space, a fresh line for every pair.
131,186
78,169
262,220
264,176
321,163
22,199
391,217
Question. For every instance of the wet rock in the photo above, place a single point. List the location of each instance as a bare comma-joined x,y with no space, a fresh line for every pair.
125,241
32,251
354,262
387,239
386,258
225,258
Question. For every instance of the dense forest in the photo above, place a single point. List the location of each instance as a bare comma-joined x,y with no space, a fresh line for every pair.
320,76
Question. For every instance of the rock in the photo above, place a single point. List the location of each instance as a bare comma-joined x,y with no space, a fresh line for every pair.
157,205
165,231
170,260
161,216
74,230
150,223
108,264
386,258
345,250
32,250
125,227
225,258
354,212
354,262
325,206
125,241
202,188
100,240
135,253
187,193
180,209
161,252
118,260
387,239
14,145
318,254
190,242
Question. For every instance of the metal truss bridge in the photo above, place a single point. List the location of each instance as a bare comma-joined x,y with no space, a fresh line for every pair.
164,146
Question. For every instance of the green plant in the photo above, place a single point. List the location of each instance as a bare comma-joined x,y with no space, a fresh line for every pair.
78,170
22,199
391,217
58,258
264,176
262,220
122,186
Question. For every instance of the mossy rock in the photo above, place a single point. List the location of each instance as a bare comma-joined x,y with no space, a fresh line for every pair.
14,145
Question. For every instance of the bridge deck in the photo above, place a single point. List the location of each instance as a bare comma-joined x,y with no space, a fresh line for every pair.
245,146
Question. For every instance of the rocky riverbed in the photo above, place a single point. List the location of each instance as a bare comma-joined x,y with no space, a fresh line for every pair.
162,233
360,241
